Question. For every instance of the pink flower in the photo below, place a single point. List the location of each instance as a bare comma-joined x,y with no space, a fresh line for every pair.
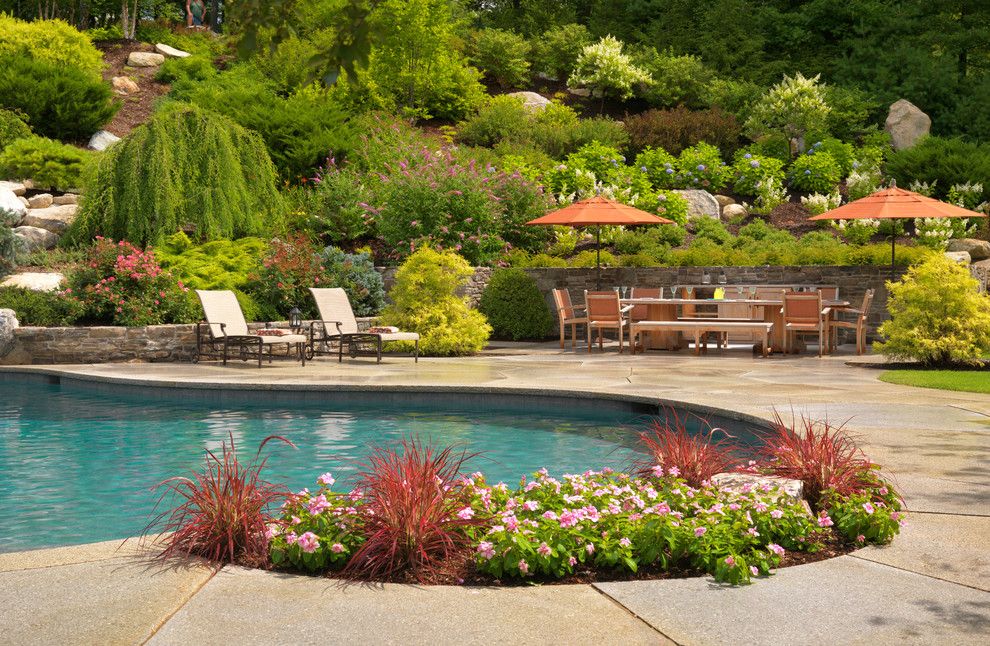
549,515
674,471
336,548
571,561
523,566
753,570
486,549
531,505
291,538
700,531
466,514
776,549
860,539
776,513
658,471
824,520
868,507
308,542
543,549
590,548
730,561
296,520
625,542
326,479
318,505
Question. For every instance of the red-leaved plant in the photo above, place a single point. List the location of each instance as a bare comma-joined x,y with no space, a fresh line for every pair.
222,513
819,454
416,514
696,456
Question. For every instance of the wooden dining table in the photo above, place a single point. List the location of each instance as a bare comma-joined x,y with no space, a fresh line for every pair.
665,309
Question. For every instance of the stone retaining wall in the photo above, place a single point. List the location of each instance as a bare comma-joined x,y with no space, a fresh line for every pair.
102,344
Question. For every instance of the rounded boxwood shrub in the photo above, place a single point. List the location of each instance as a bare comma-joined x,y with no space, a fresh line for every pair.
48,163
815,172
12,127
425,300
50,41
515,307
59,101
186,169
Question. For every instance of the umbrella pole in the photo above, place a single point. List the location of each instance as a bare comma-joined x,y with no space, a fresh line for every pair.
598,256
893,250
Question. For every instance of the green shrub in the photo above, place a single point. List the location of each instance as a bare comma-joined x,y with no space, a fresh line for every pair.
59,101
679,128
942,162
12,127
218,180
597,158
589,258
814,172
556,134
701,166
220,264
190,68
41,309
502,57
556,51
712,229
288,67
501,118
49,41
288,269
424,300
937,316
752,169
792,108
659,166
603,67
11,247
356,274
338,205
514,306
677,80
49,164
844,154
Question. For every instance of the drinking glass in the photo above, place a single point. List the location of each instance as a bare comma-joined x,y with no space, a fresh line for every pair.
673,291
722,278
739,291
752,291
706,278
690,291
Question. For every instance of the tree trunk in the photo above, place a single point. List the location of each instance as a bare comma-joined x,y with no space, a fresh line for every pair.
128,18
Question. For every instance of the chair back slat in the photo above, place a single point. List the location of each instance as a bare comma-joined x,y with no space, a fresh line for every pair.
770,293
640,312
603,306
867,302
829,293
333,305
562,302
221,306
802,308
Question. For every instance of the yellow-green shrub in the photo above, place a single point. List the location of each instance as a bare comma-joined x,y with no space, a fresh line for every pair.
50,41
424,300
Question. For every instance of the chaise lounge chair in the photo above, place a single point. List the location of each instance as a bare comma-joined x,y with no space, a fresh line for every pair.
224,328
337,324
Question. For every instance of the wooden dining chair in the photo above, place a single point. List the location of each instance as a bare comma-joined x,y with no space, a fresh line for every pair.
567,314
829,293
859,324
605,312
803,314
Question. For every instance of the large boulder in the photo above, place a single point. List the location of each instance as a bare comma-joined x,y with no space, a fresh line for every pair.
977,249
55,218
17,188
35,281
102,140
12,205
531,100
734,211
68,198
40,201
724,200
35,238
124,85
145,59
906,124
165,50
8,323
701,203
962,257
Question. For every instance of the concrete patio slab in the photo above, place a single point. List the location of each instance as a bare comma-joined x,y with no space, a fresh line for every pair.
254,607
840,601
32,559
111,601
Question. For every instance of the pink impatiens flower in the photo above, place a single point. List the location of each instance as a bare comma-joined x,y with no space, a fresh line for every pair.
308,542
776,549
531,505
700,531
523,566
730,561
543,549
860,539
824,520
318,505
486,549
466,514
625,542
571,561
776,513
590,548
753,570
868,507
326,479
336,548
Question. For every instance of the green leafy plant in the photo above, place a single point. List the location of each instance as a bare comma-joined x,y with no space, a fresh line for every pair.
219,183
288,269
514,306
941,162
59,101
502,56
793,107
556,51
12,127
500,118
659,166
48,163
53,42
938,317
190,68
676,80
752,169
679,128
424,299
337,206
603,67
815,172
41,309
356,274
701,166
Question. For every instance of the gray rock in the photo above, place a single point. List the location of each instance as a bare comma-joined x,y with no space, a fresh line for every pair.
700,203
68,198
906,124
737,482
103,140
36,238
731,211
35,281
579,91
164,49
145,59
962,257
55,218
977,249
531,100
40,201
8,323
124,85
724,200
12,206
17,188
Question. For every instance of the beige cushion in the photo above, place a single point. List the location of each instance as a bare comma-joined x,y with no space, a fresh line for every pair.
221,306
333,304
400,336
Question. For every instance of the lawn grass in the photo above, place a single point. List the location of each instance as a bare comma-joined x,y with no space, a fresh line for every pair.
972,381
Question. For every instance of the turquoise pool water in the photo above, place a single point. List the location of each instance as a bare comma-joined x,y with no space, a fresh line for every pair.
78,467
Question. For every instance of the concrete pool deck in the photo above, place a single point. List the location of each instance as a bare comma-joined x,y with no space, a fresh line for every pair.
931,586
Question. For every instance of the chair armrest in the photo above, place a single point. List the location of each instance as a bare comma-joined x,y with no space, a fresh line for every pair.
826,311
626,308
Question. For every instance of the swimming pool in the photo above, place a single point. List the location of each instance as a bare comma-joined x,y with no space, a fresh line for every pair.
77,465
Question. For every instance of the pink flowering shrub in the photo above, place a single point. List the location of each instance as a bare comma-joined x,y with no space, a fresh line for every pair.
872,516
119,284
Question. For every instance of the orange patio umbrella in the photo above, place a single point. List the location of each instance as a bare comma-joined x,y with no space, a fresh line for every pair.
896,204
596,211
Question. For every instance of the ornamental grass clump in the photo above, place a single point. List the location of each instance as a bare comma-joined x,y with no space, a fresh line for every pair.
694,456
222,513
415,514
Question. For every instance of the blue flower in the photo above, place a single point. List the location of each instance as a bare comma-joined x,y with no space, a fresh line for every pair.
807,172
747,156
670,171
754,164
701,167
642,168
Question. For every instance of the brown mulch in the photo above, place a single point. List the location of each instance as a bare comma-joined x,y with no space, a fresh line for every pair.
137,108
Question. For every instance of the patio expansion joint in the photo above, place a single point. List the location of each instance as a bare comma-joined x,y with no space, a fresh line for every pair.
634,615
921,574
968,410
182,604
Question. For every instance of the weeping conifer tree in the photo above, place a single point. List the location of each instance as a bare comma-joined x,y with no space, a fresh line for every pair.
186,169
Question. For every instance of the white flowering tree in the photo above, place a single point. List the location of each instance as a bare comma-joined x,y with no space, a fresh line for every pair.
606,70
793,107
